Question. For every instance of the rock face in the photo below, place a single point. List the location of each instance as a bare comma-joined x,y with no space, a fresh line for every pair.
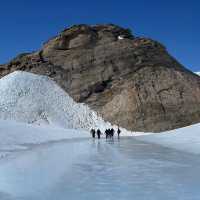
130,81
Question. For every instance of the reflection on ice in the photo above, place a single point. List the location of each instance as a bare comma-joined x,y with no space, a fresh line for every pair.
88,169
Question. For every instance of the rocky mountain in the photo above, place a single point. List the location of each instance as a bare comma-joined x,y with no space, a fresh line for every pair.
131,81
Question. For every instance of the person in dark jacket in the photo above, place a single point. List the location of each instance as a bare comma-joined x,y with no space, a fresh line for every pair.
106,133
118,132
98,133
112,132
92,131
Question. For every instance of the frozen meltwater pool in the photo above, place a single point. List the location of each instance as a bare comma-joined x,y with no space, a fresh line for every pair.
100,170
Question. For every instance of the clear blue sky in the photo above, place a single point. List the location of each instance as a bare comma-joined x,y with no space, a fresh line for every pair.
26,24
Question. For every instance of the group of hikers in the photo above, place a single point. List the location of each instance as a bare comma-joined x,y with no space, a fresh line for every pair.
109,133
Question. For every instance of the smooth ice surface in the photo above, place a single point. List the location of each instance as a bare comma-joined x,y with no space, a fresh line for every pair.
87,169
18,136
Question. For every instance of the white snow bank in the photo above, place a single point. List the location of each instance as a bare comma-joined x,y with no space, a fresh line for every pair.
16,136
34,99
185,139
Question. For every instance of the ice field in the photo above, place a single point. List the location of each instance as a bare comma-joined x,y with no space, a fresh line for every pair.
91,169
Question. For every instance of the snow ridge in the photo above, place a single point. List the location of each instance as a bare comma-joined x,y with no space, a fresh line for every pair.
36,99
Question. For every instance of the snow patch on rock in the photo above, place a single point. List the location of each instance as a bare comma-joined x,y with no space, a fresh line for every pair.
198,73
120,37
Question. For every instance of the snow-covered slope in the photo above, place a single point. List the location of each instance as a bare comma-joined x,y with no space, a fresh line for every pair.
185,139
30,98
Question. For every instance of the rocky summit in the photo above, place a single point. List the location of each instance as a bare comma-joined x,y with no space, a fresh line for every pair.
130,81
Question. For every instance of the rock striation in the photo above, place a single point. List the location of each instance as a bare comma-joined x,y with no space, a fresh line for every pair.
130,81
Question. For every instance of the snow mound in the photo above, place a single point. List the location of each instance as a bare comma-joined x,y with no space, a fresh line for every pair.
185,139
35,99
